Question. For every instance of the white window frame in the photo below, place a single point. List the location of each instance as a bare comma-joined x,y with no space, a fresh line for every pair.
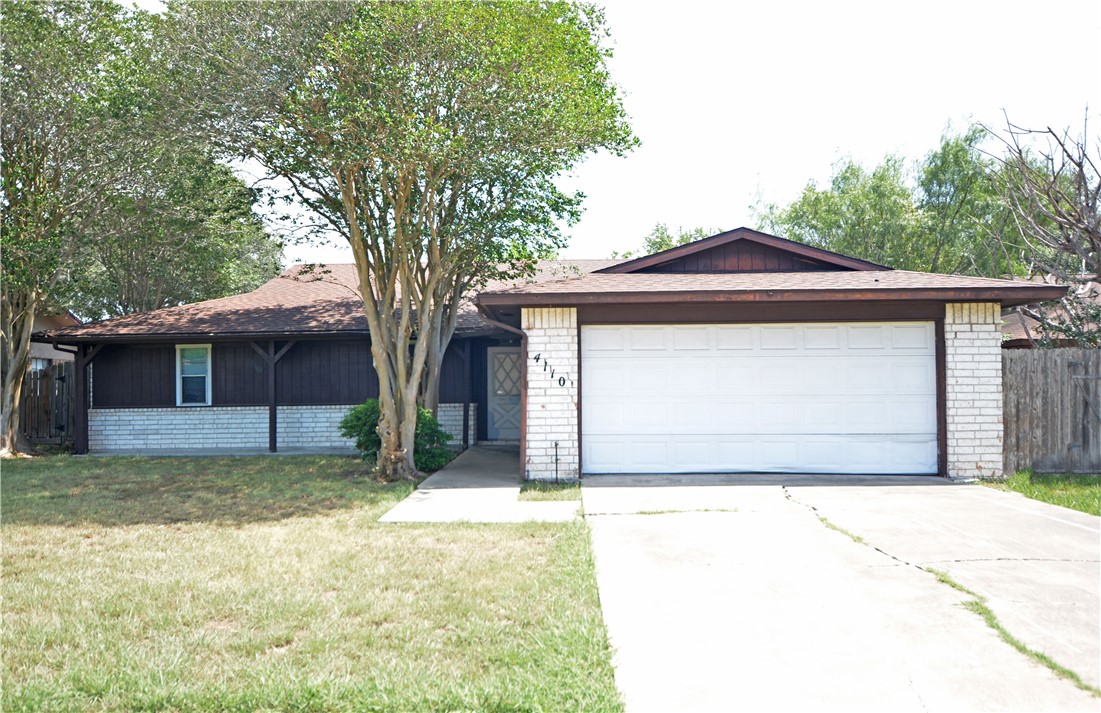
179,373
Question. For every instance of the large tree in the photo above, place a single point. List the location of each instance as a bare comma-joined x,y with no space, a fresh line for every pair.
662,238
933,217
176,231
107,207
429,136
59,61
1051,181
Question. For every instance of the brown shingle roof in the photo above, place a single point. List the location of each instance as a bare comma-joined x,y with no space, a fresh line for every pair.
297,302
650,287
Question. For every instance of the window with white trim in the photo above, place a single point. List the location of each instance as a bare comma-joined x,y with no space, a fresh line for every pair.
193,375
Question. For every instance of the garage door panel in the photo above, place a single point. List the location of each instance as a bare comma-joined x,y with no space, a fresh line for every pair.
693,377
820,397
733,338
868,336
782,338
603,339
642,378
647,338
914,376
727,416
692,339
823,337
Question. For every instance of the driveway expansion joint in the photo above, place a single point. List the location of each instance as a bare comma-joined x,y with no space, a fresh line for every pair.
1011,559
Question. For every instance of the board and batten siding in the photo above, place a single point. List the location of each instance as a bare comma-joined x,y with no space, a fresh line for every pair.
310,373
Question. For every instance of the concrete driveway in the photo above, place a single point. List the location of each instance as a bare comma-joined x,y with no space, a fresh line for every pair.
724,597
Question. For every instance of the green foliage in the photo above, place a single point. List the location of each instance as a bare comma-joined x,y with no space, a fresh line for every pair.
941,215
107,207
431,452
428,134
661,238
183,232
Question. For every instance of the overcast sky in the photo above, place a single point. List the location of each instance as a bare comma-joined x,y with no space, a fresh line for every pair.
736,102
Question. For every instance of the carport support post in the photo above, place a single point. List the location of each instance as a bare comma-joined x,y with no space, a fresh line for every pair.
84,355
466,393
273,409
271,358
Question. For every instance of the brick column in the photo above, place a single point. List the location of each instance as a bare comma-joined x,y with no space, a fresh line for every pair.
973,363
552,392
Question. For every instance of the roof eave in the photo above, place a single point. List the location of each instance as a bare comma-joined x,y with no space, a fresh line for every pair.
50,338
1006,296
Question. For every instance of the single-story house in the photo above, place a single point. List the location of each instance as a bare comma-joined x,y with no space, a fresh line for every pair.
742,352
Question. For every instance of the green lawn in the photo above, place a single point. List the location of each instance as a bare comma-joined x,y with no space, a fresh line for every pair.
540,490
1078,492
266,583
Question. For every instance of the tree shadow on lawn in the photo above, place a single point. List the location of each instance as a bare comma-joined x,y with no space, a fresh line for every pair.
118,491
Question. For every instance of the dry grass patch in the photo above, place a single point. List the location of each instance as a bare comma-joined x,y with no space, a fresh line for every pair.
114,601
538,490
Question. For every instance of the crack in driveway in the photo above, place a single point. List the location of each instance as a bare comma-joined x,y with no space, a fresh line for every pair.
979,604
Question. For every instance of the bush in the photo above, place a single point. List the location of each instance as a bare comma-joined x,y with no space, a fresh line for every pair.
430,452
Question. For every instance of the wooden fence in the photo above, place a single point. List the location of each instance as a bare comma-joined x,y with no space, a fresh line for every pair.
1052,410
47,411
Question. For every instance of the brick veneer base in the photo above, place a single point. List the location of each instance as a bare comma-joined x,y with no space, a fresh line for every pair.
235,427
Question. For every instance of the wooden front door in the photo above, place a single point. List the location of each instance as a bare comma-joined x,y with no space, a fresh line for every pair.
504,382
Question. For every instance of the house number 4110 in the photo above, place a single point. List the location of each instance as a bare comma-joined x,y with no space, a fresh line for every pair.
547,367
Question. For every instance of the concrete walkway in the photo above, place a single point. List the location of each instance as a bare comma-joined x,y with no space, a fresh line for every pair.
721,596
481,485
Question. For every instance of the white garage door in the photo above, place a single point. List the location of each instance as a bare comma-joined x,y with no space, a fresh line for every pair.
785,398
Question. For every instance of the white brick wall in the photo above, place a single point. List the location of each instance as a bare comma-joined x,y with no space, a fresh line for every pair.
174,428
309,427
552,392
450,417
973,360
230,427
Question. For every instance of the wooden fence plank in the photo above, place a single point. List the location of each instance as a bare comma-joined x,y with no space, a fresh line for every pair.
47,405
1052,410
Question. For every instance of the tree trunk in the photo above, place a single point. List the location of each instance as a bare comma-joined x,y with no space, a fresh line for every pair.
442,329
430,385
17,324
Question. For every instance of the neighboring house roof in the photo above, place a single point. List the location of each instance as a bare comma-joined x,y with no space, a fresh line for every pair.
50,321
1022,331
324,301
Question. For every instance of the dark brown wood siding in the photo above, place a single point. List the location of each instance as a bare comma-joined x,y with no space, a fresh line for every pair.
311,372
134,376
741,256
453,376
240,376
336,372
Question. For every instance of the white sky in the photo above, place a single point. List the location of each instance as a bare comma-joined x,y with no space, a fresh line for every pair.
735,101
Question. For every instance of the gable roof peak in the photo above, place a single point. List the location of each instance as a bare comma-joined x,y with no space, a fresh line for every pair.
806,252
